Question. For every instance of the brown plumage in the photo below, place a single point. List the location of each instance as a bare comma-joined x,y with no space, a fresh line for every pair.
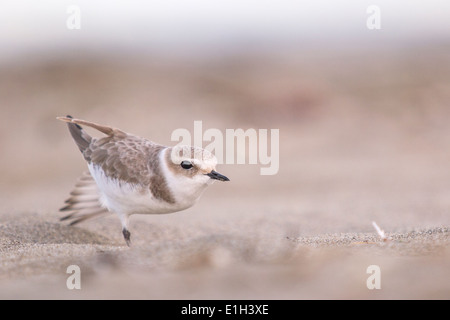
121,156
84,201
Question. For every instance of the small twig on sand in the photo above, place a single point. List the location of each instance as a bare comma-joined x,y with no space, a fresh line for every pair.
380,232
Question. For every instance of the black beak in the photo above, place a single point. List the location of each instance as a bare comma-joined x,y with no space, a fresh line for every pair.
217,176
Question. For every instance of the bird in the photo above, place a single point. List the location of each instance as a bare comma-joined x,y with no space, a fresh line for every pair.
130,175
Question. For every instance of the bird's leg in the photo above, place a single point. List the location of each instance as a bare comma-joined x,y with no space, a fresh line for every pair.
126,236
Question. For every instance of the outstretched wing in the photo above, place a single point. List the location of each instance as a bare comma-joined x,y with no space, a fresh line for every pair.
121,156
84,201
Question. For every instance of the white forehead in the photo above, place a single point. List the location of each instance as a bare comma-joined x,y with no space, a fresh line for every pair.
200,157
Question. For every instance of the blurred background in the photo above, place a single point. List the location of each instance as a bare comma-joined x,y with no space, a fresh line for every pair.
362,113
356,107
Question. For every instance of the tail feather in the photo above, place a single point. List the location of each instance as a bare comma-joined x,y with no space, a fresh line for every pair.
82,139
84,201
80,205
83,215
104,129
82,198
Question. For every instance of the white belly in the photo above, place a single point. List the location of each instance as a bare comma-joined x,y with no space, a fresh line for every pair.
125,198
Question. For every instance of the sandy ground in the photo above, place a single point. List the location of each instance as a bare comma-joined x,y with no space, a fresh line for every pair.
364,137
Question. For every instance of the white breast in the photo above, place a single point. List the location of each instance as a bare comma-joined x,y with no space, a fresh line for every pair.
125,198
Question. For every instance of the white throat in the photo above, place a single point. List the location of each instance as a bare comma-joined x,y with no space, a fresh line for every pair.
185,190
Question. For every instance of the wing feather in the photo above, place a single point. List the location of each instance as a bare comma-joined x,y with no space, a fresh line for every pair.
84,201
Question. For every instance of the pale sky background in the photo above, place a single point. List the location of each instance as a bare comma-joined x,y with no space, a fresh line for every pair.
33,27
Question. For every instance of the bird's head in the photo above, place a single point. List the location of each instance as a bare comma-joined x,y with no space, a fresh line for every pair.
194,163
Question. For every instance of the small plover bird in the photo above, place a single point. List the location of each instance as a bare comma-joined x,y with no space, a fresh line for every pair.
132,175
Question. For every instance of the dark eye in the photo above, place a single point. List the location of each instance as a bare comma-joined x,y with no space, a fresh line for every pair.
186,165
